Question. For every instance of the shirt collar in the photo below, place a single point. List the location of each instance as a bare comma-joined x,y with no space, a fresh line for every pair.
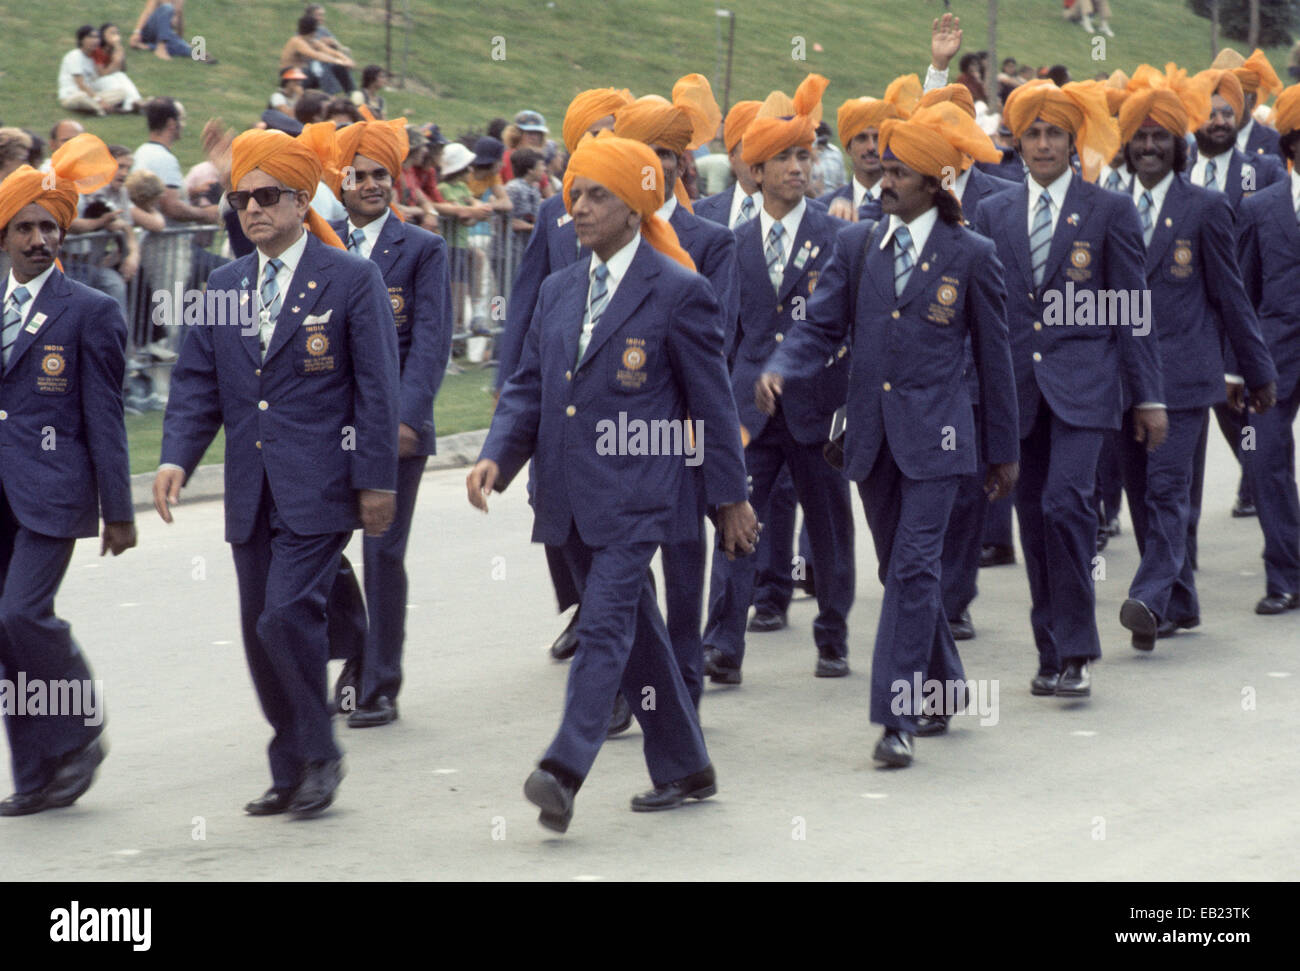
32,286
289,258
789,222
1158,192
1295,189
618,263
1056,190
963,180
665,212
371,229
1243,136
861,193
919,229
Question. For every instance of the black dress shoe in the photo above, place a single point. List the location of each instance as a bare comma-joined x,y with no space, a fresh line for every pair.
75,774
567,643
1276,603
698,785
272,803
997,556
765,621
1244,510
930,725
1075,681
1137,617
962,629
553,797
894,748
1044,682
348,687
621,718
1168,628
316,791
831,667
1103,538
24,803
719,669
382,711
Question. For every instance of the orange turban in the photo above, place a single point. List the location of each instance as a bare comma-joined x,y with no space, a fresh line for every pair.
1253,72
783,122
1286,116
936,140
621,166
685,123
1227,85
1079,107
80,165
588,108
738,120
384,141
958,94
1116,90
296,162
1172,100
858,114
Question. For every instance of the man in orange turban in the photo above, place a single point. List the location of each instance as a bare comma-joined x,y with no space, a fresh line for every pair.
859,121
908,292
1115,175
1063,241
737,205
625,336
782,253
1197,302
296,352
1259,82
368,158
1270,266
552,246
65,460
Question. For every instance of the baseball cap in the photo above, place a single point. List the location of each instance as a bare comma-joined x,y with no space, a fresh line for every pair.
292,74
530,121
434,134
488,151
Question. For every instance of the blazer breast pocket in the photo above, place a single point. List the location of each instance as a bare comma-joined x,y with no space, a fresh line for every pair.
1181,266
940,309
55,368
632,365
316,349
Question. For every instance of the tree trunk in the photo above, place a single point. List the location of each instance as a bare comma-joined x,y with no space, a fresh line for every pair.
1214,29
991,82
1252,40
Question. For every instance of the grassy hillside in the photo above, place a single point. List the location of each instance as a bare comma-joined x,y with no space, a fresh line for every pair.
549,49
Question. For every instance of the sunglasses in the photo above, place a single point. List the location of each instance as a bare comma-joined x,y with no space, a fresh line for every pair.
266,196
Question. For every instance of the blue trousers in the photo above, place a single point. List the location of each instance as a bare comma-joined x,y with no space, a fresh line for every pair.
962,544
684,564
774,583
623,643
824,495
284,585
997,522
1271,467
1159,487
37,645
908,519
158,30
1058,533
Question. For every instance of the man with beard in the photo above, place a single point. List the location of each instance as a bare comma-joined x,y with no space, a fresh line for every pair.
1197,305
1256,75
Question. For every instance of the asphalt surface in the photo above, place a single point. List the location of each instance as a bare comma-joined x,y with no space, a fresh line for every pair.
1182,765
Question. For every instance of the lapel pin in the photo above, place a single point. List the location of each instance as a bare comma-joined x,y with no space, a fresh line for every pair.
1073,219
815,251
1168,221
244,282
311,284
296,309
925,267
301,295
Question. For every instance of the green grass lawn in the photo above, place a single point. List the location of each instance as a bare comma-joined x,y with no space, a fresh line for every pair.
464,404
544,52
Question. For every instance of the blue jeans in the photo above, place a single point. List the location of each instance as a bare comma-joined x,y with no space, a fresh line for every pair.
158,30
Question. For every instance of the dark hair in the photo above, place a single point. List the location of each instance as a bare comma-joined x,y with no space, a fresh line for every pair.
947,204
1180,154
369,74
1009,60
522,161
1059,74
84,31
495,127
38,149
311,106
1289,144
118,151
343,105
159,111
103,27
967,60
307,25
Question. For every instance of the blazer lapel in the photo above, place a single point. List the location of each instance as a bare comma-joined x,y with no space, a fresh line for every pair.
685,233
250,337
299,299
572,309
1233,183
1167,221
387,247
632,289
1286,219
1066,231
45,310
800,255
880,264
1017,230
937,254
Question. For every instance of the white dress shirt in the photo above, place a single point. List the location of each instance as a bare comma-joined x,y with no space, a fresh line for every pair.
1295,190
1125,176
618,264
935,79
1220,170
861,193
33,288
371,231
738,199
919,229
789,224
963,179
1243,136
1056,194
1158,193
289,264
665,212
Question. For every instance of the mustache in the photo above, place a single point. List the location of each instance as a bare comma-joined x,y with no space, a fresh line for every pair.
39,251
888,194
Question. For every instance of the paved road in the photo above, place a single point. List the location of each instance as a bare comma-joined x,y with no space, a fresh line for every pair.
1183,765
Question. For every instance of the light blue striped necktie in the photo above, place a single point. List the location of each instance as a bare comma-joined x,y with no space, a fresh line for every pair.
903,261
1145,205
1211,171
775,256
1113,180
746,212
355,240
597,301
13,318
1040,237
270,299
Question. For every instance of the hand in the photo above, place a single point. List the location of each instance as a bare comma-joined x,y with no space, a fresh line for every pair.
377,510
1150,425
216,140
1236,395
480,481
128,267
1001,479
740,529
945,41
766,390
1262,399
843,209
167,491
408,440
118,537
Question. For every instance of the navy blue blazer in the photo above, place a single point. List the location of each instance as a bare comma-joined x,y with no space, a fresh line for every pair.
1264,140
318,419
552,246
1011,168
979,186
654,356
908,352
1198,301
717,207
1247,174
1268,252
713,248
413,262
870,208
1086,373
63,455
768,318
